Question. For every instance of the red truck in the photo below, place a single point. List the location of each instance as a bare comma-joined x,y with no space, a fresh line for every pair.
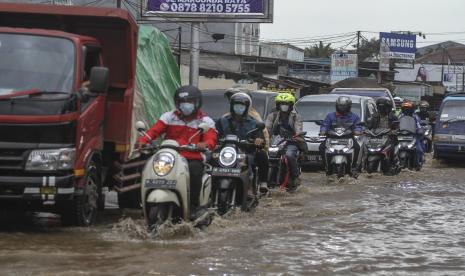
67,86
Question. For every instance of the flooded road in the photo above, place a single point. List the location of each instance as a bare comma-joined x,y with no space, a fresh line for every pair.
413,223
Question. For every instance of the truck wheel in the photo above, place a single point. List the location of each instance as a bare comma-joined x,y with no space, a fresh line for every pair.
129,200
84,208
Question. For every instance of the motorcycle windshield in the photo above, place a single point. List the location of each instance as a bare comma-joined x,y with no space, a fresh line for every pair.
407,123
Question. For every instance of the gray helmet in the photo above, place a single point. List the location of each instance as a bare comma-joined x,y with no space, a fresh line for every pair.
343,104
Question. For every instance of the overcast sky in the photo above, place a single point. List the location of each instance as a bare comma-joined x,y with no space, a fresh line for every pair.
310,18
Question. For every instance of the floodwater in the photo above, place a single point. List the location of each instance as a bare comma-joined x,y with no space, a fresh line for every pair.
409,224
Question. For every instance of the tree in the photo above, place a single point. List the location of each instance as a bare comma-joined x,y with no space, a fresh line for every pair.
368,49
319,50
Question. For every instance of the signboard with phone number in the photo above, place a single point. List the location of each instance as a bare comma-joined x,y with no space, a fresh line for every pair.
248,10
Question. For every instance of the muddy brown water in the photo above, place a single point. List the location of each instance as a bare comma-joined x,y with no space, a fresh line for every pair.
413,223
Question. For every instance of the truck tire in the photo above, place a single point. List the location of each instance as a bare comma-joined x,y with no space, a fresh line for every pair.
82,211
130,200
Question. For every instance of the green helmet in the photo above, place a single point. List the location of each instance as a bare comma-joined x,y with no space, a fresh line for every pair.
285,98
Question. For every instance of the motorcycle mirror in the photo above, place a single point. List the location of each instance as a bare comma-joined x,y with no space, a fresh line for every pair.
140,126
203,127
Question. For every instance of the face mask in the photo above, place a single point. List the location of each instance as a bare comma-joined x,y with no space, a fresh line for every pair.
284,108
239,109
187,108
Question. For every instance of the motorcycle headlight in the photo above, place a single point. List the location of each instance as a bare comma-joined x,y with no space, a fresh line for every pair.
346,149
228,156
163,163
411,145
51,160
273,149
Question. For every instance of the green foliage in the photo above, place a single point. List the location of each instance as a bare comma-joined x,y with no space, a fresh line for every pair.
319,50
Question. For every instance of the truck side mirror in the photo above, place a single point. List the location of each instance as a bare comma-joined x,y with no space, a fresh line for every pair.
99,79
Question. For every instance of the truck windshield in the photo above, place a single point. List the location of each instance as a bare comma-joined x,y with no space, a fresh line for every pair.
453,110
317,111
35,62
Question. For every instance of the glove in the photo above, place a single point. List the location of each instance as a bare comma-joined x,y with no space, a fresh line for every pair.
202,146
259,142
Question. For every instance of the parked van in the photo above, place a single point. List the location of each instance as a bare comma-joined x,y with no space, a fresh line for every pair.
449,135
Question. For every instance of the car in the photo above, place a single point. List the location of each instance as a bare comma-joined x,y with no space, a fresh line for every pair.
313,110
449,130
215,104
375,93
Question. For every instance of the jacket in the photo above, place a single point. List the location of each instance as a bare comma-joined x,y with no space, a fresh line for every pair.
351,119
273,121
227,125
391,118
255,115
175,128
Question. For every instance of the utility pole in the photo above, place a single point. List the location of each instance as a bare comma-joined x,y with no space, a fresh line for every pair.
358,42
195,54
179,46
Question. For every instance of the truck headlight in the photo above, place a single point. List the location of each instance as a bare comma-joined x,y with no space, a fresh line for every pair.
228,156
51,160
163,163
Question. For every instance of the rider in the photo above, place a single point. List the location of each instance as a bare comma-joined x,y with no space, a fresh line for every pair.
423,111
252,112
182,125
286,122
239,122
398,101
387,120
343,115
408,109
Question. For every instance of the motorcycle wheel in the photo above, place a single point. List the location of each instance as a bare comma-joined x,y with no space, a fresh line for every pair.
223,201
341,170
158,214
372,166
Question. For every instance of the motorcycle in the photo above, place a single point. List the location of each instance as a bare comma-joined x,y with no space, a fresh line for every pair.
339,151
378,152
278,163
428,135
231,176
165,183
407,144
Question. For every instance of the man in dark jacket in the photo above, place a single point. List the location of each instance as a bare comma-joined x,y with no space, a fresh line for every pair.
239,122
388,120
344,116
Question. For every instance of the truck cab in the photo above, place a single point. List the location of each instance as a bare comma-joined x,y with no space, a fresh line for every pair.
66,91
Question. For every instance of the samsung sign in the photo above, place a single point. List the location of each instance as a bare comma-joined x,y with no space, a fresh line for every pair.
399,46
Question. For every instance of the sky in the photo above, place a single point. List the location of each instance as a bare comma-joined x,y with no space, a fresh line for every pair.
311,18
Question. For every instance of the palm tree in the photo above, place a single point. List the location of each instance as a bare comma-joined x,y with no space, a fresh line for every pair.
319,50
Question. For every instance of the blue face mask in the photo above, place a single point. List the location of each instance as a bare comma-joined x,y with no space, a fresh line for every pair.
239,109
187,108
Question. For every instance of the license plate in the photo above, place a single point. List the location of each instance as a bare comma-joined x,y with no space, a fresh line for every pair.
160,184
226,172
48,190
314,158
461,148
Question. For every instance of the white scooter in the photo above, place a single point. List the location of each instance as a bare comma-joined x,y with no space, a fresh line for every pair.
166,184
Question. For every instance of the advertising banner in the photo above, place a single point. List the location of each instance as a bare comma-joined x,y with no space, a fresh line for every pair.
207,7
343,66
400,46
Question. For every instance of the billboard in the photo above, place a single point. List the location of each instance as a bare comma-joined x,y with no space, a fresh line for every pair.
451,76
209,10
343,66
400,46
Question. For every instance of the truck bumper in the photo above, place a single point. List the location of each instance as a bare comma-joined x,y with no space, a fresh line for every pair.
446,150
36,193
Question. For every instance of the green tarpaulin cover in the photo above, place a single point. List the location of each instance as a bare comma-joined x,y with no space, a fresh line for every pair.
157,77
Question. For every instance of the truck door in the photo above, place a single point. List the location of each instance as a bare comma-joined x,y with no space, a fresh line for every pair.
91,106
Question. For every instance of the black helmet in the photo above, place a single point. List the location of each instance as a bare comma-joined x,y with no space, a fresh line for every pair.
240,98
343,104
384,105
424,106
189,94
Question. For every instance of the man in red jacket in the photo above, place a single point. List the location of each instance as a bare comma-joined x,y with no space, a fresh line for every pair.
182,124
